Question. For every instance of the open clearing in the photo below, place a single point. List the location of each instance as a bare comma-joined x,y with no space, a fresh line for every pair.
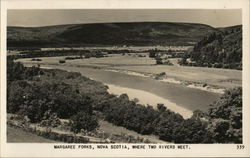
17,135
112,129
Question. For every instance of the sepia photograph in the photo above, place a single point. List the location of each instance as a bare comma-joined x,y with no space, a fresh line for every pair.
98,77
124,76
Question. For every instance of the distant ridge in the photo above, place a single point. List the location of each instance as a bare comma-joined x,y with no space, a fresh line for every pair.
126,33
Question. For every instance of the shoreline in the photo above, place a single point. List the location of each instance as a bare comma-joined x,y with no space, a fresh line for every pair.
188,84
147,98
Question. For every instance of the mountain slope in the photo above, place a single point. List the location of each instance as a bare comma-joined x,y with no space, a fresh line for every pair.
221,49
135,33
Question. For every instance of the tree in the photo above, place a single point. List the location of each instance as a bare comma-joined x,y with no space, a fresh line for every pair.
50,119
226,117
158,61
83,120
161,108
222,49
198,114
62,61
152,54
14,70
225,106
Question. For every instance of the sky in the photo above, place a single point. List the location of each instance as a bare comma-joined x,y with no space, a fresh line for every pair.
47,17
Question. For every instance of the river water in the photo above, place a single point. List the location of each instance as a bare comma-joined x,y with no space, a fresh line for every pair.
188,98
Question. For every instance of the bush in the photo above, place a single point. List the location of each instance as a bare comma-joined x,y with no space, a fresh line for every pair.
83,120
50,119
17,71
218,65
160,75
159,61
204,85
34,59
73,58
167,62
62,61
152,54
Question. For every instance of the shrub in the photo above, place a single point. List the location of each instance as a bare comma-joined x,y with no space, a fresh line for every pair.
218,65
161,108
34,59
62,61
204,85
159,61
73,58
50,119
152,54
167,62
83,120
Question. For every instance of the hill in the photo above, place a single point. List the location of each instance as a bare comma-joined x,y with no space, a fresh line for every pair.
222,49
133,33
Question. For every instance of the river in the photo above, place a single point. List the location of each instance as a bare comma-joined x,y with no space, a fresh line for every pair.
187,98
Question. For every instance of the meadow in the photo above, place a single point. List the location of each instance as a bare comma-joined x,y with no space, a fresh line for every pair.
18,135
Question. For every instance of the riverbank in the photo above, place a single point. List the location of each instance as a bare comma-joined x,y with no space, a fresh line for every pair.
189,84
206,79
166,79
147,98
188,98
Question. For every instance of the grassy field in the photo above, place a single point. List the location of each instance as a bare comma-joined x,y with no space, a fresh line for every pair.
225,78
110,61
218,77
17,135
112,129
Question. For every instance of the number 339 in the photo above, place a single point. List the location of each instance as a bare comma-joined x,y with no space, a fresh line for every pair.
240,147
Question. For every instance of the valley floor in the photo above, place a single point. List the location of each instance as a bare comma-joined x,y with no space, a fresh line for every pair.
217,78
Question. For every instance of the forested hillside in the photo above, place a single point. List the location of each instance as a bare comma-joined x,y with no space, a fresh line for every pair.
221,49
133,33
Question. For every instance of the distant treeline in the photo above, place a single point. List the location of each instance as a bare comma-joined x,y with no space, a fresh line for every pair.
46,95
219,49
53,53
36,53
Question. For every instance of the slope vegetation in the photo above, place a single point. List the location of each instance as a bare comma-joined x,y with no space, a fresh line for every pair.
135,33
221,49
